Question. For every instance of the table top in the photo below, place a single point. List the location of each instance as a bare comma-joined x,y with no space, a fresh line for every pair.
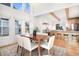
38,37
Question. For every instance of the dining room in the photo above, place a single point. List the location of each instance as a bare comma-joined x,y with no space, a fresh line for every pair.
39,29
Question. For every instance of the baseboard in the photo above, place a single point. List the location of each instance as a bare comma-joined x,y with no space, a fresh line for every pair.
8,45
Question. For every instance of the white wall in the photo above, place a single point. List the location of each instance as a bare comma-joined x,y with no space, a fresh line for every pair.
12,15
61,14
39,20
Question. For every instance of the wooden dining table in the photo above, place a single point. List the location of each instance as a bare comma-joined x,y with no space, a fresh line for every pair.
38,38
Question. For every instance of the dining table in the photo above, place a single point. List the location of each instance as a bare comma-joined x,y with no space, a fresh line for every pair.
38,39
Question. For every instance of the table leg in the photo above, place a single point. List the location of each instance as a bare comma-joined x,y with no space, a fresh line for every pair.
39,52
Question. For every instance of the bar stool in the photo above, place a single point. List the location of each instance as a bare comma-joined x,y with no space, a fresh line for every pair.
66,37
74,36
74,39
58,35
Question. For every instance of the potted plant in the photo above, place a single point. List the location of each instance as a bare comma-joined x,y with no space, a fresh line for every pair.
35,31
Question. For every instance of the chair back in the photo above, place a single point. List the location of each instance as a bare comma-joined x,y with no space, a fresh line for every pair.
51,42
19,40
27,34
42,33
27,43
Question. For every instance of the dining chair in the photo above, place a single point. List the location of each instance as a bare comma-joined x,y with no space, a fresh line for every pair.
48,45
29,45
20,43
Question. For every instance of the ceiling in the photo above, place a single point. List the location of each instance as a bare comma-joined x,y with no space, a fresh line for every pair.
57,8
42,8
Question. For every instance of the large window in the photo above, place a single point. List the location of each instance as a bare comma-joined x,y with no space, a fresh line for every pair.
27,8
17,27
17,6
4,27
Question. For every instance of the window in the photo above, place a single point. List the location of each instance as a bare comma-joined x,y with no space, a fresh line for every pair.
17,27
27,7
4,27
17,6
6,4
26,27
57,26
75,27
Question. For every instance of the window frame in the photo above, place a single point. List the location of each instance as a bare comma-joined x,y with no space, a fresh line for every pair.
4,24
16,27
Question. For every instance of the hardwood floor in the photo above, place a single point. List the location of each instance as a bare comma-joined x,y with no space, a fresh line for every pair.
61,48
71,49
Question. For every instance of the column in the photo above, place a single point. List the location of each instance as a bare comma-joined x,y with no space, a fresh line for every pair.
31,21
22,27
11,26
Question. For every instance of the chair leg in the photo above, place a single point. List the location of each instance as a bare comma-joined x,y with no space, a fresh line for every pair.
48,52
53,52
42,51
22,51
17,48
39,50
30,53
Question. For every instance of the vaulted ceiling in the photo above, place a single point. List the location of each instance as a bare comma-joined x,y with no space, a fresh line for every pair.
56,10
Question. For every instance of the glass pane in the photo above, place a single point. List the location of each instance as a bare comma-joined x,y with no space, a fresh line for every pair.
5,23
26,27
57,26
17,27
7,4
0,23
5,31
27,7
0,30
17,6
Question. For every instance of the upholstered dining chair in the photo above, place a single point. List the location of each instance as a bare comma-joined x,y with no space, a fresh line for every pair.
48,45
28,45
20,43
